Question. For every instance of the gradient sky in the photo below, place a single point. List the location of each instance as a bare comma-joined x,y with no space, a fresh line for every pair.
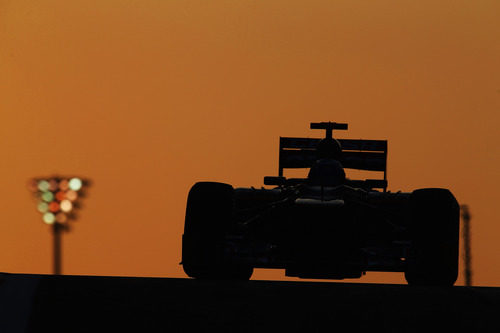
147,97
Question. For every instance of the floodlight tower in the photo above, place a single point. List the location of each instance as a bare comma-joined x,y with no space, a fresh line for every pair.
57,200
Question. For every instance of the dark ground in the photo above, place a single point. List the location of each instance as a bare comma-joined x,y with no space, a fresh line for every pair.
44,303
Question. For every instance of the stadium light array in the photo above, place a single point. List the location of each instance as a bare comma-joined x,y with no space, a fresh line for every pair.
57,197
57,200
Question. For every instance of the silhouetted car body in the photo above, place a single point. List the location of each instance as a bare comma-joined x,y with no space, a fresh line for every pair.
325,226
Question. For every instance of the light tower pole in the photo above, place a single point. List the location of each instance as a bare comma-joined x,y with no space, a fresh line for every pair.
467,255
56,231
57,200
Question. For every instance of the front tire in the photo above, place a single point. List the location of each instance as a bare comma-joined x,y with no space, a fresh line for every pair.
208,217
434,227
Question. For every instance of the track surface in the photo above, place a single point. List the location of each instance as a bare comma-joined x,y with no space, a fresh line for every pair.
36,303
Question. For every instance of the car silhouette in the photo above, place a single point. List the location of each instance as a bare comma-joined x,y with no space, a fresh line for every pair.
325,226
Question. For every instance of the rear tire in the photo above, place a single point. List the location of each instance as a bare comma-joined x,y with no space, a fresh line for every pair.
434,227
208,217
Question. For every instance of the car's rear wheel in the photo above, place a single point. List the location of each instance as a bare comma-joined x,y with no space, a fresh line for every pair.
434,227
208,217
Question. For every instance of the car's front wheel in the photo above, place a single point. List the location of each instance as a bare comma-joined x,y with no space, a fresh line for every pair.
434,228
208,217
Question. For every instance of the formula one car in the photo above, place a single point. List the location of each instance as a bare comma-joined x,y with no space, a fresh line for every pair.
325,226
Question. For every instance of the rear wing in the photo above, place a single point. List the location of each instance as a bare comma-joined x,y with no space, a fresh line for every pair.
370,155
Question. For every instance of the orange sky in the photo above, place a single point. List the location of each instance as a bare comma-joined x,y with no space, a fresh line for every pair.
147,97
